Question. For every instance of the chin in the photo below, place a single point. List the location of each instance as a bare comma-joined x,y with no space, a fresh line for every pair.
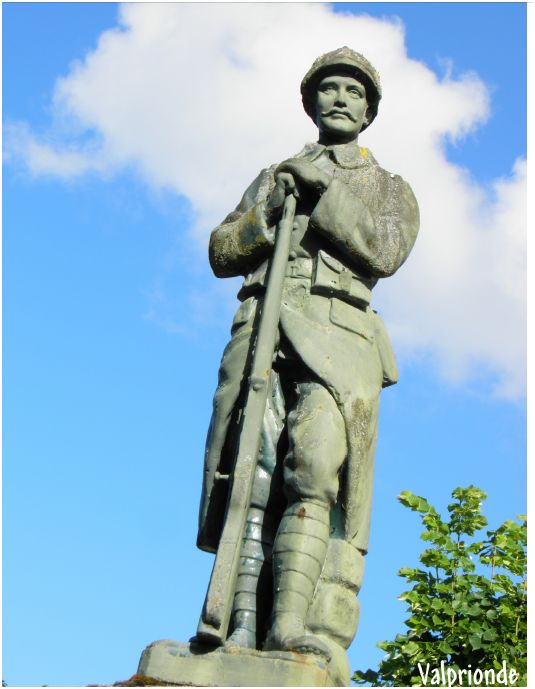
340,134
338,129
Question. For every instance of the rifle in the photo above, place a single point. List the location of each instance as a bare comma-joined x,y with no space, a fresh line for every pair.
217,609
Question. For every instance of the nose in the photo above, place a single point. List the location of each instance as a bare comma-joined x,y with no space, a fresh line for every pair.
341,96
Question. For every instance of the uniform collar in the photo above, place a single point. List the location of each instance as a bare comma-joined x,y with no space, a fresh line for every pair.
349,155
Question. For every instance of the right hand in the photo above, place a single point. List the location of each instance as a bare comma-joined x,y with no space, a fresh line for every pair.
284,186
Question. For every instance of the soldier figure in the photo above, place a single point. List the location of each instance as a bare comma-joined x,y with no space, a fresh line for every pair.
307,527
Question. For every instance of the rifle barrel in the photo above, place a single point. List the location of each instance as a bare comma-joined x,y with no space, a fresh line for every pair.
217,609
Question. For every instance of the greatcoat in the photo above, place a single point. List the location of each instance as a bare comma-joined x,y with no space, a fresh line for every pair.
361,229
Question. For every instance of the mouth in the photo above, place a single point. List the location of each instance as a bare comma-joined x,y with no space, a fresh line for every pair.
339,115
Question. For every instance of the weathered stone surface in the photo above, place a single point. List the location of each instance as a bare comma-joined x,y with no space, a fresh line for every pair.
288,475
334,611
190,664
343,565
289,461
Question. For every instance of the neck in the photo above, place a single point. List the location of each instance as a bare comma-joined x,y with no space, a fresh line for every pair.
329,140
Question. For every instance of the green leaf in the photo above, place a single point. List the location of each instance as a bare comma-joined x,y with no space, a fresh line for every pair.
475,641
411,648
445,648
407,498
474,611
414,502
490,635
431,536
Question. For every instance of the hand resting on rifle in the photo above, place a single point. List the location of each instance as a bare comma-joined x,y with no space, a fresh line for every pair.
297,177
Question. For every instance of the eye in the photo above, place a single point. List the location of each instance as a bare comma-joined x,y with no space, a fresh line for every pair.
355,92
326,88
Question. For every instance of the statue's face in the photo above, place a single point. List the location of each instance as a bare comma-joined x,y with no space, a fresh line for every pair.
341,107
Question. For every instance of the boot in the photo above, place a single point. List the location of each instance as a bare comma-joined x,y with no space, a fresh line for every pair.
298,556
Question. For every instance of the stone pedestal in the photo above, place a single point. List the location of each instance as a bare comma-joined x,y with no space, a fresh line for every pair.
191,664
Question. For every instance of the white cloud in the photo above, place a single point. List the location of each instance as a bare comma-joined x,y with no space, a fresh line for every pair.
199,97
462,297
43,158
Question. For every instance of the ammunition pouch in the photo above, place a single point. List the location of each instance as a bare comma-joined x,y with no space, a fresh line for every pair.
332,278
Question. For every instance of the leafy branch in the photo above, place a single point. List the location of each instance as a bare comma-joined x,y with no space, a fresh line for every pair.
460,614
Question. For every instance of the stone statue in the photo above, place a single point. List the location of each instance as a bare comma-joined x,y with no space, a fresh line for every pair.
299,554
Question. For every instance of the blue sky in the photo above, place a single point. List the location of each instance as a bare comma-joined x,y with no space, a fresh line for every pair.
114,326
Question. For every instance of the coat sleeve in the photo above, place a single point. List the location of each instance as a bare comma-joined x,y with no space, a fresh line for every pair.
243,239
377,233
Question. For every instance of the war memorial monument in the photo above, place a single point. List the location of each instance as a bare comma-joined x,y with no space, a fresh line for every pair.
288,469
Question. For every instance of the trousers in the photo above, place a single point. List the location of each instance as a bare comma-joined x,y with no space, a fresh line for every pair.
305,462
303,448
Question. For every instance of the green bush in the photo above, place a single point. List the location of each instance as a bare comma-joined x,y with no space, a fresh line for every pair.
467,605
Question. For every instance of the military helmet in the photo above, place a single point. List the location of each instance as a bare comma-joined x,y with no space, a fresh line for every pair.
348,61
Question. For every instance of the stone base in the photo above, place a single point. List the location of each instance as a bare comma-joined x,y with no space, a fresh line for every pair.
193,664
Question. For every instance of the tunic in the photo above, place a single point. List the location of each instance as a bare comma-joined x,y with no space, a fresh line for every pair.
361,229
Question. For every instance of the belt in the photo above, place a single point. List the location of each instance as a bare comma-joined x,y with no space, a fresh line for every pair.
299,267
331,278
